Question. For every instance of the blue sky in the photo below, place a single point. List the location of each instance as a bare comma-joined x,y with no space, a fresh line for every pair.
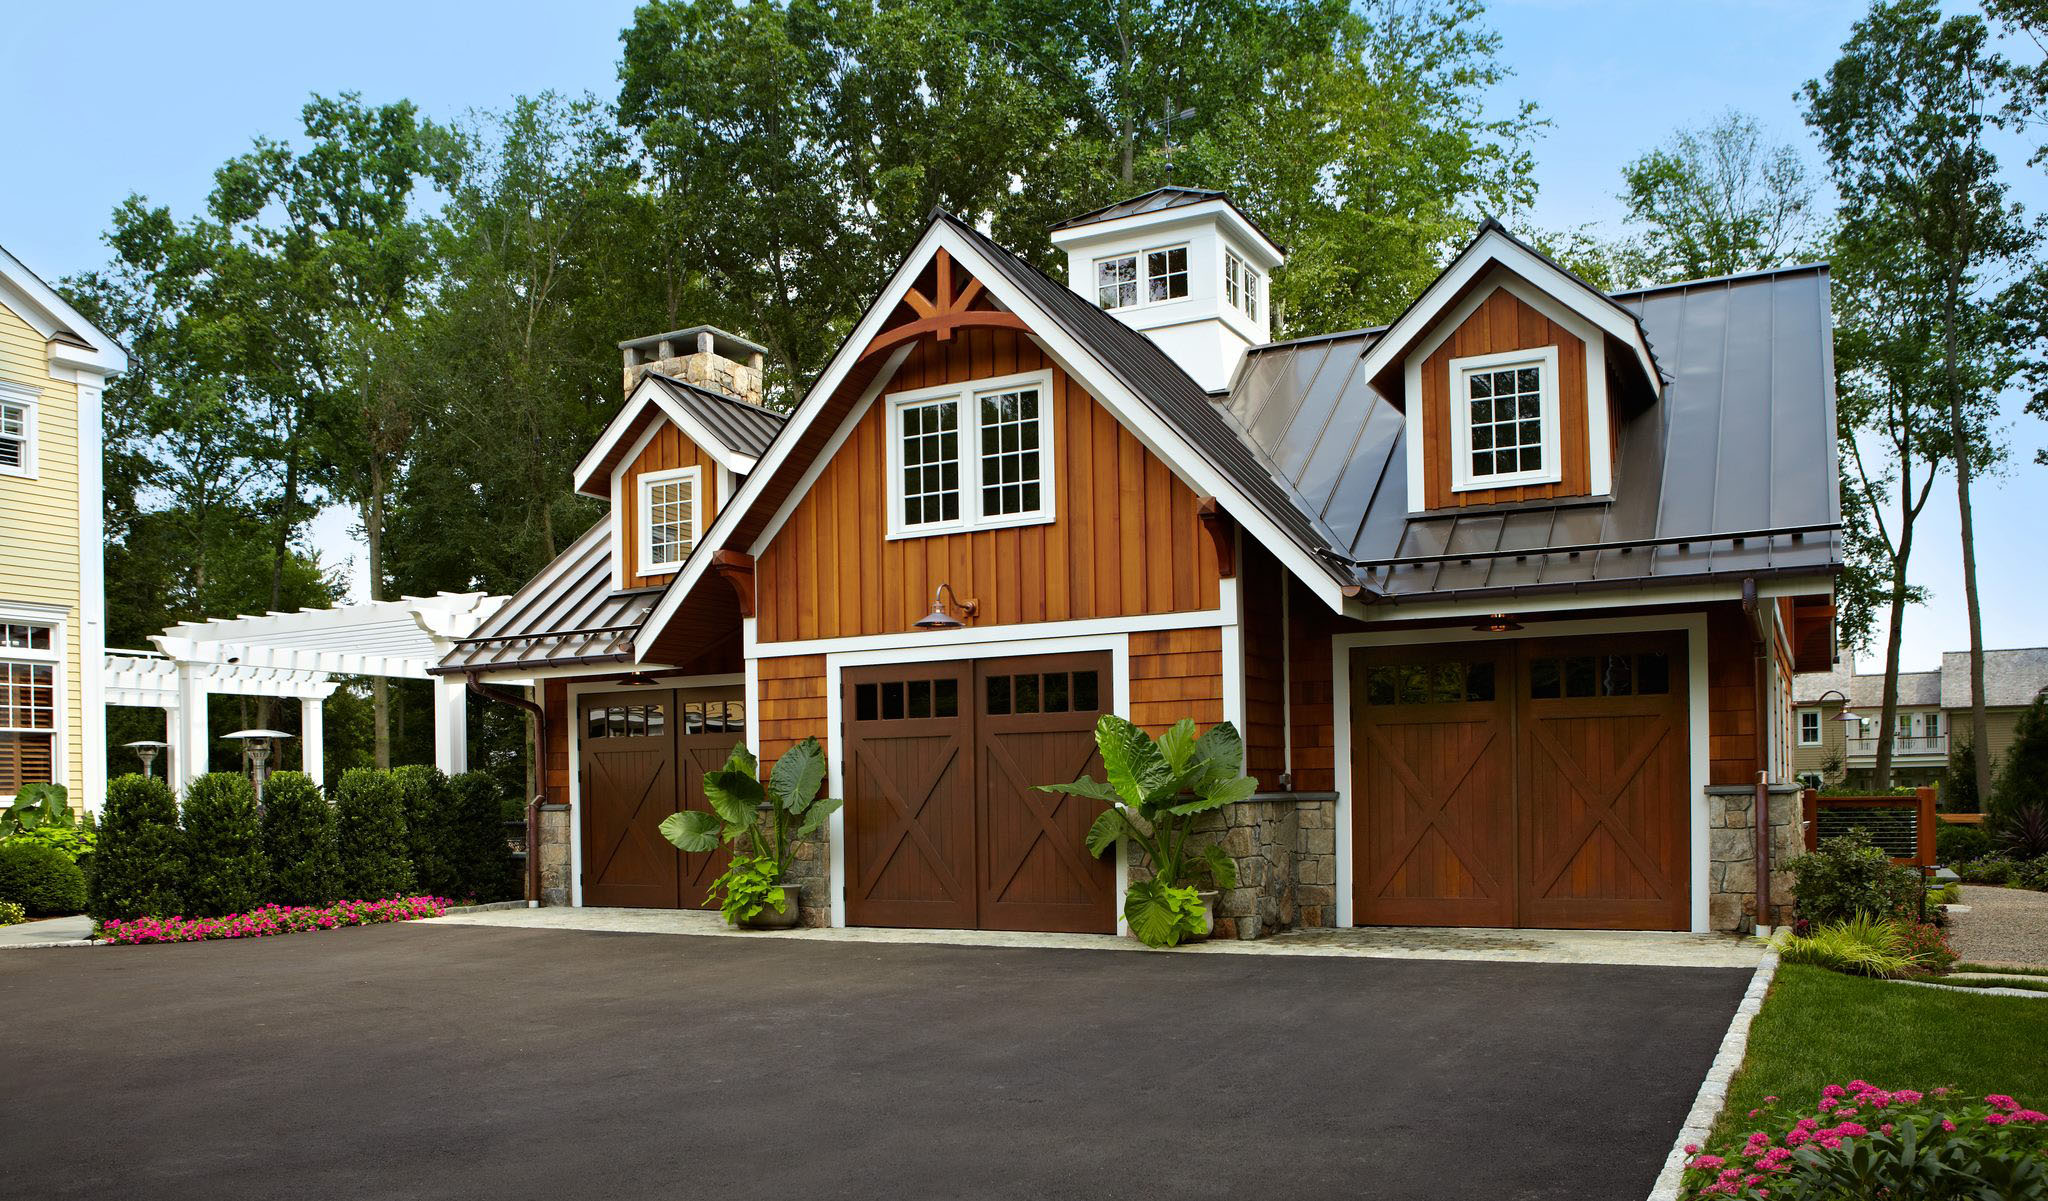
135,97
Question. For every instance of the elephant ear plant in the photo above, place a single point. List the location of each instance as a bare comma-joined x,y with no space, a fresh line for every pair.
1155,790
760,820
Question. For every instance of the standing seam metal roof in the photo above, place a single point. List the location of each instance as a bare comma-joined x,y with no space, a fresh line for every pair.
569,612
746,428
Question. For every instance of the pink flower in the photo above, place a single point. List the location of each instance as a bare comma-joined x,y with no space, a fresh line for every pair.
2001,1101
1996,1119
1908,1096
1707,1163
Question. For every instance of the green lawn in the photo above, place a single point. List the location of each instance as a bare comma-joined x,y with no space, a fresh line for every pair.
1820,1027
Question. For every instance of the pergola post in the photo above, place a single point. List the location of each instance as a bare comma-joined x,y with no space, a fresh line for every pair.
190,741
312,739
451,725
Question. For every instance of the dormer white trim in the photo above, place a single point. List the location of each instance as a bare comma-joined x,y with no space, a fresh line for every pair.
649,394
1503,278
47,313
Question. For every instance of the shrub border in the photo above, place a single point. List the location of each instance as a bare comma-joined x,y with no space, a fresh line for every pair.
1713,1094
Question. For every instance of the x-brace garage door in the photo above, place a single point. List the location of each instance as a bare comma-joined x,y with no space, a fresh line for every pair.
944,825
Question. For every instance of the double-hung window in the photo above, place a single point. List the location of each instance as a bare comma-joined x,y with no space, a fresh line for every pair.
971,456
1240,285
1809,727
669,504
28,704
1157,275
17,430
1504,420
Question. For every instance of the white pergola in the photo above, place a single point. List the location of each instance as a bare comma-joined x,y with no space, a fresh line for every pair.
298,655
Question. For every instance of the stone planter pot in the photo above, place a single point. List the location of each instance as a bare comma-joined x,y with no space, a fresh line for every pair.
788,919
1208,897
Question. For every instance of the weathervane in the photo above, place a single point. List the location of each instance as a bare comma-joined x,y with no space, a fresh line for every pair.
1167,116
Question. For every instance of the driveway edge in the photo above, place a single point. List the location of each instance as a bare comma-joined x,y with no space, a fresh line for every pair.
1713,1092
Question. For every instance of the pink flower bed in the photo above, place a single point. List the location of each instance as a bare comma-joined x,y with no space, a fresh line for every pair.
274,919
1880,1142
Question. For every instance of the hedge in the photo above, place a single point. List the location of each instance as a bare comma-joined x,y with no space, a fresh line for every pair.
224,845
41,879
138,866
298,840
427,798
478,857
369,835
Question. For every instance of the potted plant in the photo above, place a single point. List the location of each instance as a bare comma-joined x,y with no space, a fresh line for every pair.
1155,790
760,821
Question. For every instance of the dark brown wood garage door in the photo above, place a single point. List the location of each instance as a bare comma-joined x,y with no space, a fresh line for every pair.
644,757
944,825
1530,783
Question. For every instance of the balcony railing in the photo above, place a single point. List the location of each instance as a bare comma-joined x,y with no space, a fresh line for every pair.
1936,744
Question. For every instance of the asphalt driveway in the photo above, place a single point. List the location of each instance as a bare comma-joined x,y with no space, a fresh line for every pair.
466,1062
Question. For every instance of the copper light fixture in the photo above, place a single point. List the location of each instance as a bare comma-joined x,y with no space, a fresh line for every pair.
942,619
1498,623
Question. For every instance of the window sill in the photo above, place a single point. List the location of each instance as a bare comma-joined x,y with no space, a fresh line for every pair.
962,527
1497,483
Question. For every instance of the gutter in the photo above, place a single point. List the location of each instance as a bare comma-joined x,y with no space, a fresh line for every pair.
540,777
1760,814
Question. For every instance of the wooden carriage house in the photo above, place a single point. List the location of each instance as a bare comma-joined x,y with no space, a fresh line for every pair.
1506,596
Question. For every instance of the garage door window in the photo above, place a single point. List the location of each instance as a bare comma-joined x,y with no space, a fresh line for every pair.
1564,676
899,700
627,721
1043,692
1436,683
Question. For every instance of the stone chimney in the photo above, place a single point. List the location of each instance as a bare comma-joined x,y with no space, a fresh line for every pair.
702,355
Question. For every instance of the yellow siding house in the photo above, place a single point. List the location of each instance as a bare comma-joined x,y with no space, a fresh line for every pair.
53,368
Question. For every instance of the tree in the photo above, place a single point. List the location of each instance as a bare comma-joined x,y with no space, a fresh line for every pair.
1717,201
2016,811
1902,117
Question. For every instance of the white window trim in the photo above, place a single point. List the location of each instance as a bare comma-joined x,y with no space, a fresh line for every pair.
1144,275
1247,283
967,394
1462,479
60,743
27,399
1800,720
644,517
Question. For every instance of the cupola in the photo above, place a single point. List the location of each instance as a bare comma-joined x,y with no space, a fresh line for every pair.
1185,267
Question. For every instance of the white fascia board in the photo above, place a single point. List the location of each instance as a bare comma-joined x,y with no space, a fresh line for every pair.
1168,220
1492,248
650,394
46,312
1621,596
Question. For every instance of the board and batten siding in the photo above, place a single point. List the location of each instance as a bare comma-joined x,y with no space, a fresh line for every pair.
39,552
1503,322
1125,541
669,448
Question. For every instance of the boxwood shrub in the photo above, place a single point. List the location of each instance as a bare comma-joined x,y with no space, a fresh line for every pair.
224,844
427,798
138,864
298,840
369,834
479,859
41,879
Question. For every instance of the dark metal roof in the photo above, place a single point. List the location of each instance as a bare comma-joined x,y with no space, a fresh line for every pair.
569,613
1744,441
746,428
731,345
1153,375
1168,197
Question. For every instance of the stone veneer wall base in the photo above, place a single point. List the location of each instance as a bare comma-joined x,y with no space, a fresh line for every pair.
1731,853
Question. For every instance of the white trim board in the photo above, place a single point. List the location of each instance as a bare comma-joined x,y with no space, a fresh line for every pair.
1622,595
915,642
1118,645
650,394
1693,625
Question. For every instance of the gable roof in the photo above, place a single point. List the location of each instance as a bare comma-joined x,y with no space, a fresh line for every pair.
567,614
1742,441
73,341
731,431
2011,677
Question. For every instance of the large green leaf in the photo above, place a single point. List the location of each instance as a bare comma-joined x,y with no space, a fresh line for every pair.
1161,914
1086,786
1130,759
815,816
1109,826
734,793
1222,868
1218,755
693,830
794,781
1177,745
1219,794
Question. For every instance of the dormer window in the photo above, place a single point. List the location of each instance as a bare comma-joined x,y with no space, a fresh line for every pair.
971,456
1118,284
668,518
1504,420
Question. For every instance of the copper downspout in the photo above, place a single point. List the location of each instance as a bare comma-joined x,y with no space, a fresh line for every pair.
1760,812
540,776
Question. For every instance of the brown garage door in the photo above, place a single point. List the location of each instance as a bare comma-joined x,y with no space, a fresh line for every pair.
944,825
645,753
1538,782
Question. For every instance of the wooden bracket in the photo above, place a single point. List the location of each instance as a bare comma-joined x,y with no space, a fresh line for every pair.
944,314
1223,532
736,569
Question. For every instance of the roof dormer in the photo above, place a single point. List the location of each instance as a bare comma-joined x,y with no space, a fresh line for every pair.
1508,370
1184,267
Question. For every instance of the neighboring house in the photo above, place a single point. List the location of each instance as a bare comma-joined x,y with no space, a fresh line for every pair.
53,367
1505,597
1933,712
